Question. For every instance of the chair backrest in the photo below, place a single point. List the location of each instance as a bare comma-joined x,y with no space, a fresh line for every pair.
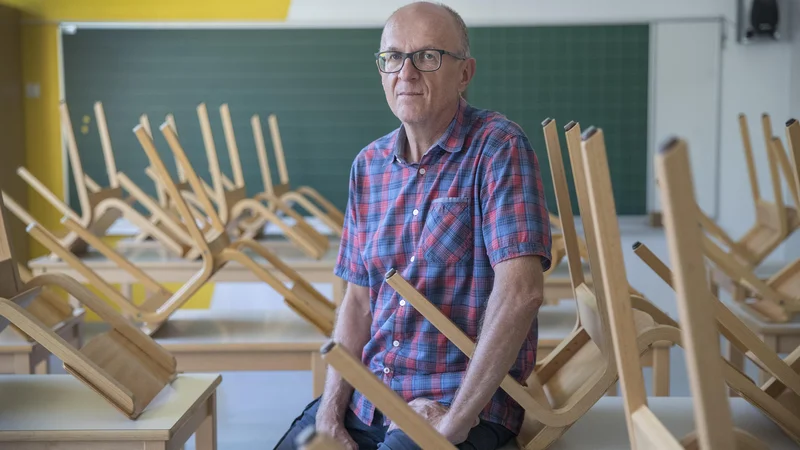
277,147
213,167
233,149
789,175
261,150
793,142
105,141
749,159
699,334
566,222
594,315
218,228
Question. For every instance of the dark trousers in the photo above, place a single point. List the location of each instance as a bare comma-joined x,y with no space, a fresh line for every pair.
485,436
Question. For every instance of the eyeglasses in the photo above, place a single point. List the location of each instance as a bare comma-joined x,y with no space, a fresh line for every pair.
427,60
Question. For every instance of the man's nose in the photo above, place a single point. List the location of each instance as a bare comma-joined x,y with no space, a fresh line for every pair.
408,71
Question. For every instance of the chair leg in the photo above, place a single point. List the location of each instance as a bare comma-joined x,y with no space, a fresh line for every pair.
661,365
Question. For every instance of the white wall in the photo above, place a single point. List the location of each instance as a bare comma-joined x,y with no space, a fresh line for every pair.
755,78
509,12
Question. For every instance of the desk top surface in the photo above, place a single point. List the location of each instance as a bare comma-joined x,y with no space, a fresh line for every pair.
758,324
202,330
150,257
197,329
63,408
604,427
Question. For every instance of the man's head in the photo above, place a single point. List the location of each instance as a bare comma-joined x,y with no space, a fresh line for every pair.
415,95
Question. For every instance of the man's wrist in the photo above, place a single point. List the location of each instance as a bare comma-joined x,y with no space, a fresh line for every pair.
460,418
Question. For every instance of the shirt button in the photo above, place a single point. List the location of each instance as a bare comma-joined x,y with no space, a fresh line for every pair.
402,303
396,343
412,259
415,212
385,370
422,171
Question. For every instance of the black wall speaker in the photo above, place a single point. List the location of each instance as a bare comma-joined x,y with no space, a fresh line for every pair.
762,20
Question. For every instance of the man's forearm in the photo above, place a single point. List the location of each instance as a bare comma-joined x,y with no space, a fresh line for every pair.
510,311
351,332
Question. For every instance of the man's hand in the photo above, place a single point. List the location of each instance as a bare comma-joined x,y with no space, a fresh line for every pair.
442,420
336,431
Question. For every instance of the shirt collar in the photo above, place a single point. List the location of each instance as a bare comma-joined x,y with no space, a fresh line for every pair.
452,140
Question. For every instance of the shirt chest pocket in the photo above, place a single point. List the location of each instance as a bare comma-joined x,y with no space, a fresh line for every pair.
447,236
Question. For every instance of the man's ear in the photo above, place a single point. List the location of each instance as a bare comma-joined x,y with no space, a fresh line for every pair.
466,74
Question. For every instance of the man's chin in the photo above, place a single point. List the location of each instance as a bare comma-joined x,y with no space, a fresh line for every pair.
411,116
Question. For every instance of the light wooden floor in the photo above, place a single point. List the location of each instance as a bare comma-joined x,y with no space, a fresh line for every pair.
255,408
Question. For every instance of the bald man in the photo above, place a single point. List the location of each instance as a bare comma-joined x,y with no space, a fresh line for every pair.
452,200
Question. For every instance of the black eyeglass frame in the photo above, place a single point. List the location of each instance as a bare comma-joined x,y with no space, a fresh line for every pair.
410,56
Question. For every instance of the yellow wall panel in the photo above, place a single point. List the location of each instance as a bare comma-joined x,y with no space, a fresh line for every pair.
42,130
153,10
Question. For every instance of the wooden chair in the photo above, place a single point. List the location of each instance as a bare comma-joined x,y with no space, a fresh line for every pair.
161,224
305,196
659,358
384,399
159,305
774,220
218,249
49,308
97,212
201,217
699,338
123,365
239,211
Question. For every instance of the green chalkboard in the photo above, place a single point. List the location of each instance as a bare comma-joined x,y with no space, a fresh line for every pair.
326,91
595,75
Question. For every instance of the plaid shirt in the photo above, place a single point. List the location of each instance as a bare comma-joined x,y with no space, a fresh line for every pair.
473,200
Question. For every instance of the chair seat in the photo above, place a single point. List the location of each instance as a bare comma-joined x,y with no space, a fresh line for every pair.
604,427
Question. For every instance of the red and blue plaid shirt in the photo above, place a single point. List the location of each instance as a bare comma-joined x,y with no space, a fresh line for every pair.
473,200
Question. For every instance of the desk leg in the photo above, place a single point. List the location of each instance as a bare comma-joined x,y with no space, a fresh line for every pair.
206,435
661,371
319,371
43,368
736,358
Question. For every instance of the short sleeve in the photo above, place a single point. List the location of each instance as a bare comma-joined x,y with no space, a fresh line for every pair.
349,263
515,219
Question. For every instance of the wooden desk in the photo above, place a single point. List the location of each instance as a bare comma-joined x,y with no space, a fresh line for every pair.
60,412
209,340
20,356
603,427
164,268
